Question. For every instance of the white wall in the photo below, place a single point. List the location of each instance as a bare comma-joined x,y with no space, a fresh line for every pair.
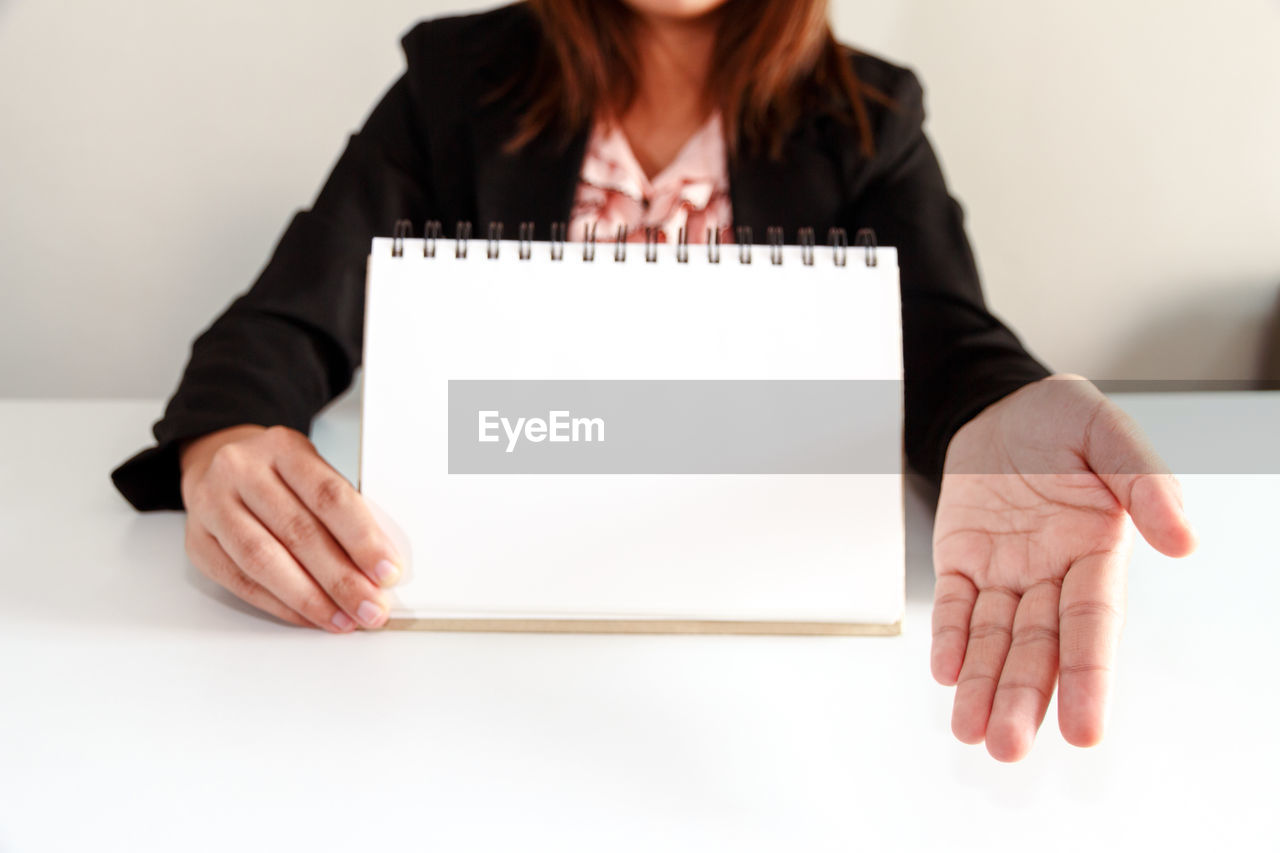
1117,159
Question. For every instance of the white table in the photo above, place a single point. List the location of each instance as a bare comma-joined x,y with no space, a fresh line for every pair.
143,709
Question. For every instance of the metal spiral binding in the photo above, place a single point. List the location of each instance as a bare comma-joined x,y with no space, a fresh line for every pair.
524,249
403,230
494,244
682,246
867,237
461,234
839,246
650,244
620,245
775,245
837,238
805,238
431,232
744,244
559,231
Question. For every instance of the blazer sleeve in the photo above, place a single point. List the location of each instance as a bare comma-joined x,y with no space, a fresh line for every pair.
958,358
292,342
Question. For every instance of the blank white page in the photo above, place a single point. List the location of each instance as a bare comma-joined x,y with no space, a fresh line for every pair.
721,546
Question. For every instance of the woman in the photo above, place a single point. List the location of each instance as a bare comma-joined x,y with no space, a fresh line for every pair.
663,113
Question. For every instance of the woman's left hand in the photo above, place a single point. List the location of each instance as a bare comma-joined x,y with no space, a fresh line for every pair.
1031,550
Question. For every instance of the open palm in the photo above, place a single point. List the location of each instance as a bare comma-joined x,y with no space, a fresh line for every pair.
1031,546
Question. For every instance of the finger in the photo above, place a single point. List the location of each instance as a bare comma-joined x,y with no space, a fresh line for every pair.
261,556
1030,670
990,629
214,563
310,544
1119,453
953,597
1091,616
341,509
1155,504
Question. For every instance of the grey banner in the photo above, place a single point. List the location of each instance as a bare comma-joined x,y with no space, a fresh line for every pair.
834,427
674,427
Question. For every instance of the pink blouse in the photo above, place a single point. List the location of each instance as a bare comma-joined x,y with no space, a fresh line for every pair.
691,192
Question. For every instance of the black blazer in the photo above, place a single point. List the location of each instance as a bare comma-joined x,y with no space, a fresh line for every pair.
431,149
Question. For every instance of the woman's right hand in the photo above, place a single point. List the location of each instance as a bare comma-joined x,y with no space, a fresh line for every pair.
275,524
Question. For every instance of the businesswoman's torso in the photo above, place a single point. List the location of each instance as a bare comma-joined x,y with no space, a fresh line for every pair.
435,148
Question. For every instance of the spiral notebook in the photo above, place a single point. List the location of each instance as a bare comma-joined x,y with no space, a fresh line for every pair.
636,437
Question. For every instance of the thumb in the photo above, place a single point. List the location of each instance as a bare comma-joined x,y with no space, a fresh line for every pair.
1122,457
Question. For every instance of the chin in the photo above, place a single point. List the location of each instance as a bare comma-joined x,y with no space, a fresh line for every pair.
675,8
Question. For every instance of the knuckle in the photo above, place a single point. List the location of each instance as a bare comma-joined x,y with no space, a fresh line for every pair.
977,679
953,600
196,501
950,630
256,555
241,585
228,457
367,546
1036,690
990,631
1098,610
281,436
1032,636
1084,668
294,618
351,587
1010,594
331,493
315,606
297,530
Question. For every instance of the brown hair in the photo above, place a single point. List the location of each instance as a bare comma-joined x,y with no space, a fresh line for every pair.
772,58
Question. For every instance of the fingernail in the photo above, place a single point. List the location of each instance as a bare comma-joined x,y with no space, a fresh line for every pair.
342,621
368,613
386,573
